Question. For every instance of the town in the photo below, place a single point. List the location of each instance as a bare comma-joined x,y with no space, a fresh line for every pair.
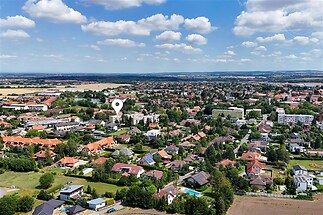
187,147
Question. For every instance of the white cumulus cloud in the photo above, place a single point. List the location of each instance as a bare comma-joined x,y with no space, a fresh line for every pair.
180,47
122,4
14,34
276,37
200,25
17,21
142,27
5,56
249,44
121,42
279,16
55,11
196,39
169,36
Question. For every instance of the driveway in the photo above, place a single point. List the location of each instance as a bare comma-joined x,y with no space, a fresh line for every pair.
116,206
2,192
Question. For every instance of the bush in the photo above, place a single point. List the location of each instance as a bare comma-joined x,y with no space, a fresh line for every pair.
43,195
46,180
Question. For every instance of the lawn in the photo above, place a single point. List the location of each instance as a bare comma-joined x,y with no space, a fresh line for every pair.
309,164
27,182
117,133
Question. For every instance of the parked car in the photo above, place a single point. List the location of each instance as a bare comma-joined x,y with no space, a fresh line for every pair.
110,210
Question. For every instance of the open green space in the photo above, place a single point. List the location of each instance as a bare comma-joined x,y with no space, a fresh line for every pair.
309,164
117,133
27,182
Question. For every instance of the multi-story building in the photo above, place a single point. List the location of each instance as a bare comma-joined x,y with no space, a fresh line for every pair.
291,119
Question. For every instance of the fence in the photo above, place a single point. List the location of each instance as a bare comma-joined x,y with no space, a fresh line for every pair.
270,195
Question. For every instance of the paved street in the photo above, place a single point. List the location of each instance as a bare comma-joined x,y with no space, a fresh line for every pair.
243,140
116,206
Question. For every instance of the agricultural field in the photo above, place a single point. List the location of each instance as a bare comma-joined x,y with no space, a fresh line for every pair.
247,205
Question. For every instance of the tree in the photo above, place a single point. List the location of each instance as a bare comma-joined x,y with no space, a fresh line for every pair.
25,204
138,197
196,206
8,205
43,195
46,180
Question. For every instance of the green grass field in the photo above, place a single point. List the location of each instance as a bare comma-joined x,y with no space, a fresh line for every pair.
27,182
117,133
307,164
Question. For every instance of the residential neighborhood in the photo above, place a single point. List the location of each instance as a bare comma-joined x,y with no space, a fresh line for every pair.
171,143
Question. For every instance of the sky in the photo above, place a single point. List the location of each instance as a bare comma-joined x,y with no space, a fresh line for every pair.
149,36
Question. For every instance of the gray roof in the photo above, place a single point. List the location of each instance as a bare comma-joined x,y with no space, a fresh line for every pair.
298,167
70,188
96,201
48,207
75,209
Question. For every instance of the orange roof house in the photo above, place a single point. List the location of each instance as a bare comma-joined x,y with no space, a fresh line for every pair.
250,156
254,168
99,161
42,155
68,162
22,141
225,163
98,146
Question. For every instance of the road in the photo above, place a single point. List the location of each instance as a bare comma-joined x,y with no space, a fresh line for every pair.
2,192
243,140
117,206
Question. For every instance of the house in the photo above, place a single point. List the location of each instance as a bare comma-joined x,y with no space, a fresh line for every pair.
261,181
177,165
299,170
96,204
124,137
254,168
127,169
295,148
133,131
65,126
262,145
147,159
198,180
168,192
250,156
303,183
187,144
76,209
152,135
41,155
99,161
154,174
68,162
163,154
172,149
192,157
112,126
124,151
48,207
98,146
225,163
71,192
314,152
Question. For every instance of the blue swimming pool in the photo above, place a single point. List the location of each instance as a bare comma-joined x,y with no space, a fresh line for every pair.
64,210
192,192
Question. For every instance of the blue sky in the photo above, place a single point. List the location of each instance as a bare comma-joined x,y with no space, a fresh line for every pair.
121,36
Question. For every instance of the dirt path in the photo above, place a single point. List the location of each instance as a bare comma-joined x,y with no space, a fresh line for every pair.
247,205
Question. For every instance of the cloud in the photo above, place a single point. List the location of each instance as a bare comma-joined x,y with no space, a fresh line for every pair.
95,47
169,36
17,21
143,27
5,56
292,56
249,44
196,39
14,34
276,37
54,11
279,16
121,42
260,49
180,47
229,53
200,25
244,60
122,4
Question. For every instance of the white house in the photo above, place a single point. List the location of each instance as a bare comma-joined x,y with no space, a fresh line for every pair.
299,170
71,192
96,204
152,134
303,182
294,147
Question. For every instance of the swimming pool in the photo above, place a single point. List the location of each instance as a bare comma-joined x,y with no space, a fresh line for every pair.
191,192
64,210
